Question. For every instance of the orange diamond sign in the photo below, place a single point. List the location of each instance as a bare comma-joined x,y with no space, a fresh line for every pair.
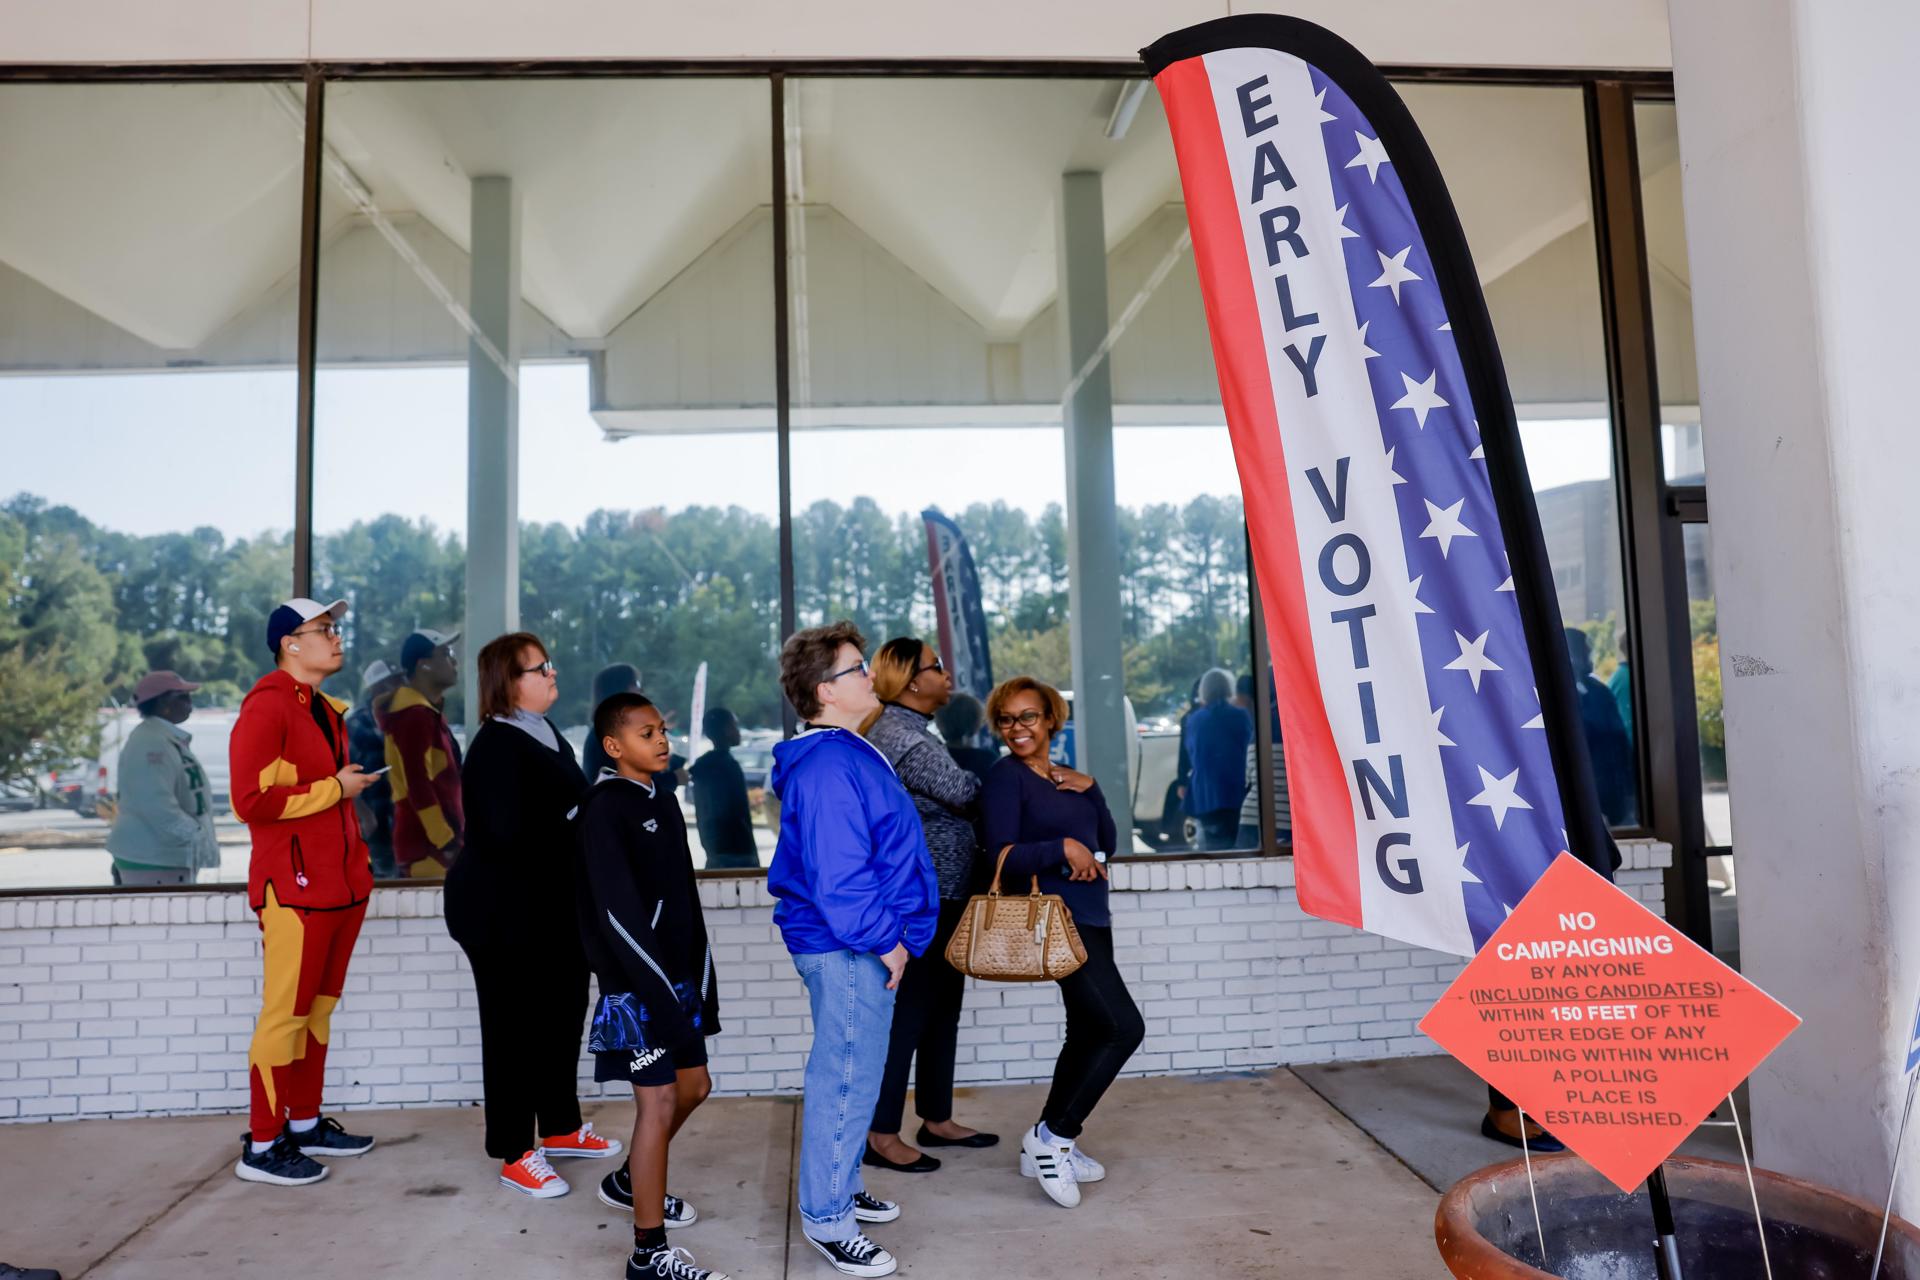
1604,1023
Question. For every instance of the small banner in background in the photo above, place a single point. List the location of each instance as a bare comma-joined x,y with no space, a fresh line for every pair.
1434,757
959,606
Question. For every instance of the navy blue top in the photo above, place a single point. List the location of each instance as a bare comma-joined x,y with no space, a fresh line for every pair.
1217,738
1022,809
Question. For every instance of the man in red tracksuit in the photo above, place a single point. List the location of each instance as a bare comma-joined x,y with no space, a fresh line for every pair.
309,882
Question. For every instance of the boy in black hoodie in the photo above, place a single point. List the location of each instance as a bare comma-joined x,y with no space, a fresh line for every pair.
644,935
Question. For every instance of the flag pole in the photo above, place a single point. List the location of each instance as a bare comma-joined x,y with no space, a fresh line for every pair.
1879,1250
1666,1250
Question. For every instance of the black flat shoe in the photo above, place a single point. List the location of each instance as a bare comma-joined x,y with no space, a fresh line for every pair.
1546,1143
925,1164
927,1138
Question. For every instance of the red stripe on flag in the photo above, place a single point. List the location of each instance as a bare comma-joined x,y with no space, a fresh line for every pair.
1326,867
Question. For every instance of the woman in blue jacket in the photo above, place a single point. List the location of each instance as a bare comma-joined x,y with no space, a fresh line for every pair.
857,897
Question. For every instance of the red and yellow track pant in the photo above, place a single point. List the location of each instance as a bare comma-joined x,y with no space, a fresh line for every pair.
306,961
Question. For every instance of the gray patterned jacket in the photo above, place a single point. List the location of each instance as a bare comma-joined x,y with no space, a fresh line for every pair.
946,795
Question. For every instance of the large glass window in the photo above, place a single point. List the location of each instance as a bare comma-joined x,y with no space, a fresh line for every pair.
1515,160
149,239
1670,284
546,337
930,309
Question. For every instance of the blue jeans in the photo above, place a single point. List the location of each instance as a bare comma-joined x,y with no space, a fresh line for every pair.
852,1019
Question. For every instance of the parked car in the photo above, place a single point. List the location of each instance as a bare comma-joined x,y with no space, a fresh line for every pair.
18,797
78,785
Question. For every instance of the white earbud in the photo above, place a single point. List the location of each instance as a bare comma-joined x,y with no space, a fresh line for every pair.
293,648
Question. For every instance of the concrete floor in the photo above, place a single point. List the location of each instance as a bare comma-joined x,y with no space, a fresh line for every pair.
1220,1175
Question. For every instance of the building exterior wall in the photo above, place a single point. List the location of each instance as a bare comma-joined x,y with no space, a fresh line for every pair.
121,1004
1573,33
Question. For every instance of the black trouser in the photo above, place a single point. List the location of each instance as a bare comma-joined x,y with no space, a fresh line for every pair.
532,1007
926,1025
1103,1029
1217,829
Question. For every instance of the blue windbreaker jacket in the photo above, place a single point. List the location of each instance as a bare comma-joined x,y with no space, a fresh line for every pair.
851,869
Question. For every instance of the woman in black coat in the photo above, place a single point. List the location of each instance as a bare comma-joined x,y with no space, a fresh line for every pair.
510,906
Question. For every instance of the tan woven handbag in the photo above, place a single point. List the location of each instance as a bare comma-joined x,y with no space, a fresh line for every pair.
1016,939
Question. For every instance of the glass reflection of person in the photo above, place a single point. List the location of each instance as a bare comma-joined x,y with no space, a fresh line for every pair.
721,807
960,722
624,677
1608,745
1217,736
367,747
429,817
163,828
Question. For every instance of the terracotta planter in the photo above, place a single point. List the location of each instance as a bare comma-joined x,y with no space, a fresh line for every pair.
1485,1226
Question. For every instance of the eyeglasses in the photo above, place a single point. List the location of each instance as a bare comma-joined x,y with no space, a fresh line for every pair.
936,665
860,666
327,629
545,669
1026,720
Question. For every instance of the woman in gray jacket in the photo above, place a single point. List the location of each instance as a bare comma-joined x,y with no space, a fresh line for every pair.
163,830
912,684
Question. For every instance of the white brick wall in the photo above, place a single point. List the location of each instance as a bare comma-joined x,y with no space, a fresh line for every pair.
144,1003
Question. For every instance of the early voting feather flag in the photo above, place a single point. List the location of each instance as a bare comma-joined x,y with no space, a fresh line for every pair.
1433,749
958,605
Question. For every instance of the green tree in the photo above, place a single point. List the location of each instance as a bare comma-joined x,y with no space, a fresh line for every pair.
57,644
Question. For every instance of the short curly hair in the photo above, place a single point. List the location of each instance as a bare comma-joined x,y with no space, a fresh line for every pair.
1055,704
807,658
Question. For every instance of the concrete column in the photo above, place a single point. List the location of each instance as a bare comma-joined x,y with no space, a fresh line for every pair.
1796,170
493,428
1093,526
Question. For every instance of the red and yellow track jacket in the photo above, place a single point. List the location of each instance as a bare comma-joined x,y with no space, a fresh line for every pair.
428,818
287,745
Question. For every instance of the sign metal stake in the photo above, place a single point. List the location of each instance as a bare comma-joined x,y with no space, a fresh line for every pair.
1666,1249
1526,1154
1760,1223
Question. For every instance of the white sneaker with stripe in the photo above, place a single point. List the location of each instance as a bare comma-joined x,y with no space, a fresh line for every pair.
1052,1164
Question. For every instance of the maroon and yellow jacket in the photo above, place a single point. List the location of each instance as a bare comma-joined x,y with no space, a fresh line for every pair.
428,817
287,745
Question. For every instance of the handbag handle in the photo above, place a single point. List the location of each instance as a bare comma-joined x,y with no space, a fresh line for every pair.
1000,865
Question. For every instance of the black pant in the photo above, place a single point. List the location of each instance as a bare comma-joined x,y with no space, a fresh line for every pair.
1103,1029
532,1007
926,1025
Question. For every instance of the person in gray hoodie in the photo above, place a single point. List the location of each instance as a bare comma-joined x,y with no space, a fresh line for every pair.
163,829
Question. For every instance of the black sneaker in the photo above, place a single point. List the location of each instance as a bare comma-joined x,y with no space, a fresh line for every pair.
869,1208
283,1164
11,1272
327,1138
616,1192
856,1257
668,1262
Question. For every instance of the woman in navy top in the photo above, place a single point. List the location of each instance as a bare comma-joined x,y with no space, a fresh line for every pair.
1050,822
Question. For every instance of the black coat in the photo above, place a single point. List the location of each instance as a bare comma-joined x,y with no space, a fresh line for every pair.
515,877
639,905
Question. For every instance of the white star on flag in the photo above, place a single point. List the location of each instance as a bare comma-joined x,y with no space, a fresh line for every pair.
1320,105
1393,272
1443,525
1366,352
1507,585
1394,477
1473,658
1539,721
1340,224
1498,795
1372,155
1479,450
1466,876
1418,605
1445,328
1421,397
1440,738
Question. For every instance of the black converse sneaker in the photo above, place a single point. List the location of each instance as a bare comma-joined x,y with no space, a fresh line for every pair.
856,1257
283,1164
668,1262
327,1138
616,1192
870,1208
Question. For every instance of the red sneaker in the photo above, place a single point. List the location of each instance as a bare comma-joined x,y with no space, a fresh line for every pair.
532,1175
581,1142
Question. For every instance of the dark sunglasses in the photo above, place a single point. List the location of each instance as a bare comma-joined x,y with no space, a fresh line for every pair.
545,669
936,665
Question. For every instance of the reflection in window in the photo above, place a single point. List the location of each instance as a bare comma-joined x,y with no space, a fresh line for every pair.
1670,283
148,248
1515,160
545,401
930,305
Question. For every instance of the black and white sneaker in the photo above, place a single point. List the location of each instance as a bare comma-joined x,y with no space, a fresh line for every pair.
668,1263
856,1257
871,1208
1052,1164
327,1138
616,1192
282,1165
